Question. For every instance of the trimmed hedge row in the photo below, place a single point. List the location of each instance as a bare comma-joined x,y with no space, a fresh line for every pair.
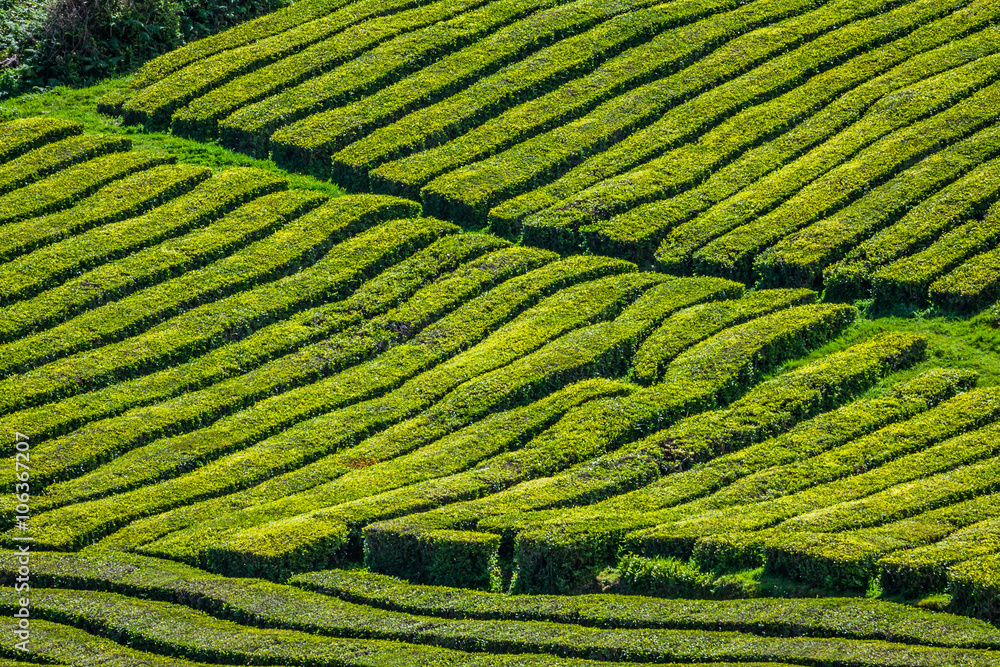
116,201
67,187
371,299
560,554
928,569
154,103
809,507
601,349
600,189
937,478
539,457
733,253
967,197
725,198
382,605
203,327
468,193
695,324
693,382
972,286
975,587
200,116
852,559
801,257
564,311
637,232
292,114
663,54
266,540
161,626
524,80
327,132
278,384
115,279
909,279
49,266
56,156
25,134
335,273
117,312
651,504
57,641
312,439
781,492
898,496
857,618
278,21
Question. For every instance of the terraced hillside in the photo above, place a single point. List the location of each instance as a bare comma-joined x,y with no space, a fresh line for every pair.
224,391
850,144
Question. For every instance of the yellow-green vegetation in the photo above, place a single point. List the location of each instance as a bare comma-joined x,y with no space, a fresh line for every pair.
382,333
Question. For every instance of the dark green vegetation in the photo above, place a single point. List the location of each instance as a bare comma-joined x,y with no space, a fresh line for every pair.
694,300
57,42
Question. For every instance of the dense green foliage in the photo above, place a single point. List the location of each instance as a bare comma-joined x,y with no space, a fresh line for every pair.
652,332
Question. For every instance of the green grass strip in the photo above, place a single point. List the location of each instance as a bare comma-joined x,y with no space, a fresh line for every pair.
47,267
155,102
611,191
116,201
908,279
25,134
326,133
200,116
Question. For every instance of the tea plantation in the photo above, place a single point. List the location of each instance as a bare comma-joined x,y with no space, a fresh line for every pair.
661,333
